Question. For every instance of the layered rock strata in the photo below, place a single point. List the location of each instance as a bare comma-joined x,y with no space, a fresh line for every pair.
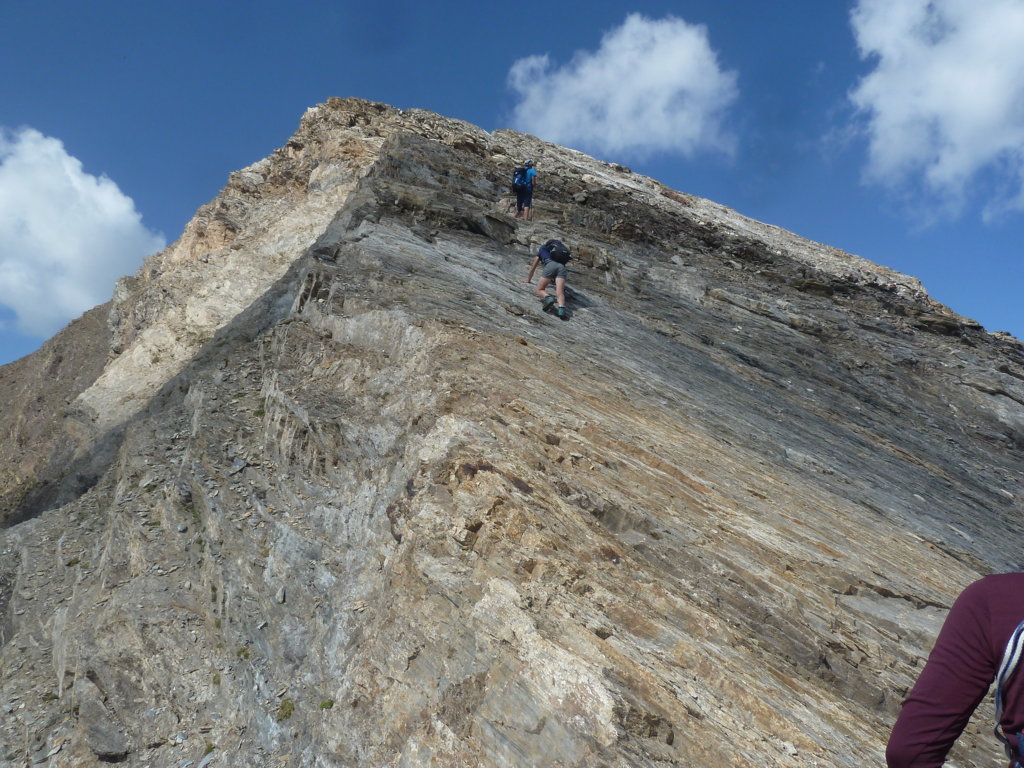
371,507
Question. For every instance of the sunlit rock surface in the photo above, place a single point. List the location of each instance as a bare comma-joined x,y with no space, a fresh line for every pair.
322,486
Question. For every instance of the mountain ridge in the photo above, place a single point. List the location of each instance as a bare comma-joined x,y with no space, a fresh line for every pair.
377,509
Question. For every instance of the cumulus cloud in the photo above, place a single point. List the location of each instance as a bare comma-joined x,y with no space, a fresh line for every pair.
944,104
65,236
652,85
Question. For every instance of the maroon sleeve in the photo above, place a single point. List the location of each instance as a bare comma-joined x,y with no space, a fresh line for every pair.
956,678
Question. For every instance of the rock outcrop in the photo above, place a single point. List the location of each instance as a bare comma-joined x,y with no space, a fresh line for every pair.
322,486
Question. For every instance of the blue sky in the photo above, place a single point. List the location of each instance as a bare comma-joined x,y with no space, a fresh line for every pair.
892,129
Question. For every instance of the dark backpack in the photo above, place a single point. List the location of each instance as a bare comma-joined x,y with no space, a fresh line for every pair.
557,251
1011,659
520,181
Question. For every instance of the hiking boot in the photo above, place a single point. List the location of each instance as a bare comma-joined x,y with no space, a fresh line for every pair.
561,312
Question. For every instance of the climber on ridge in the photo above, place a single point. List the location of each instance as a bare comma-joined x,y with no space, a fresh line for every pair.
554,255
523,180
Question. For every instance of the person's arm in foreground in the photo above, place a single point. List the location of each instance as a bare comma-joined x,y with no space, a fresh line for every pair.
952,684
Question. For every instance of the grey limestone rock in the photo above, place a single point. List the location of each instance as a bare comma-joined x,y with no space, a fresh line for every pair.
322,486
103,735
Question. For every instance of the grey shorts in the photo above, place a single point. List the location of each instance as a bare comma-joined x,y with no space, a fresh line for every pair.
553,269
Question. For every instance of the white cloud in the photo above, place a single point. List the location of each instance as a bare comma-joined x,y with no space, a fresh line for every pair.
945,101
65,236
653,85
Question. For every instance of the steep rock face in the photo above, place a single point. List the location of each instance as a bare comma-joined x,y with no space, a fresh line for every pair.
383,511
230,253
40,435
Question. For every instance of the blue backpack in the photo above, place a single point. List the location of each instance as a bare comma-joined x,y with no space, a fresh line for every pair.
520,179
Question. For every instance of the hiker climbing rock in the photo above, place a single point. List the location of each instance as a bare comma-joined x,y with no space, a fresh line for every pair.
553,255
979,643
523,179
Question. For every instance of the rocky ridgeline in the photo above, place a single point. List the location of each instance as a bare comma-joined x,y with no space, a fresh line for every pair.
322,486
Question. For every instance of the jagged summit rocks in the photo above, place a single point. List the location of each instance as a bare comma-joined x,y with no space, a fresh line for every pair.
320,486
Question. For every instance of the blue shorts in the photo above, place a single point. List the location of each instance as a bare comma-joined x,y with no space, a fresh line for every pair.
524,199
